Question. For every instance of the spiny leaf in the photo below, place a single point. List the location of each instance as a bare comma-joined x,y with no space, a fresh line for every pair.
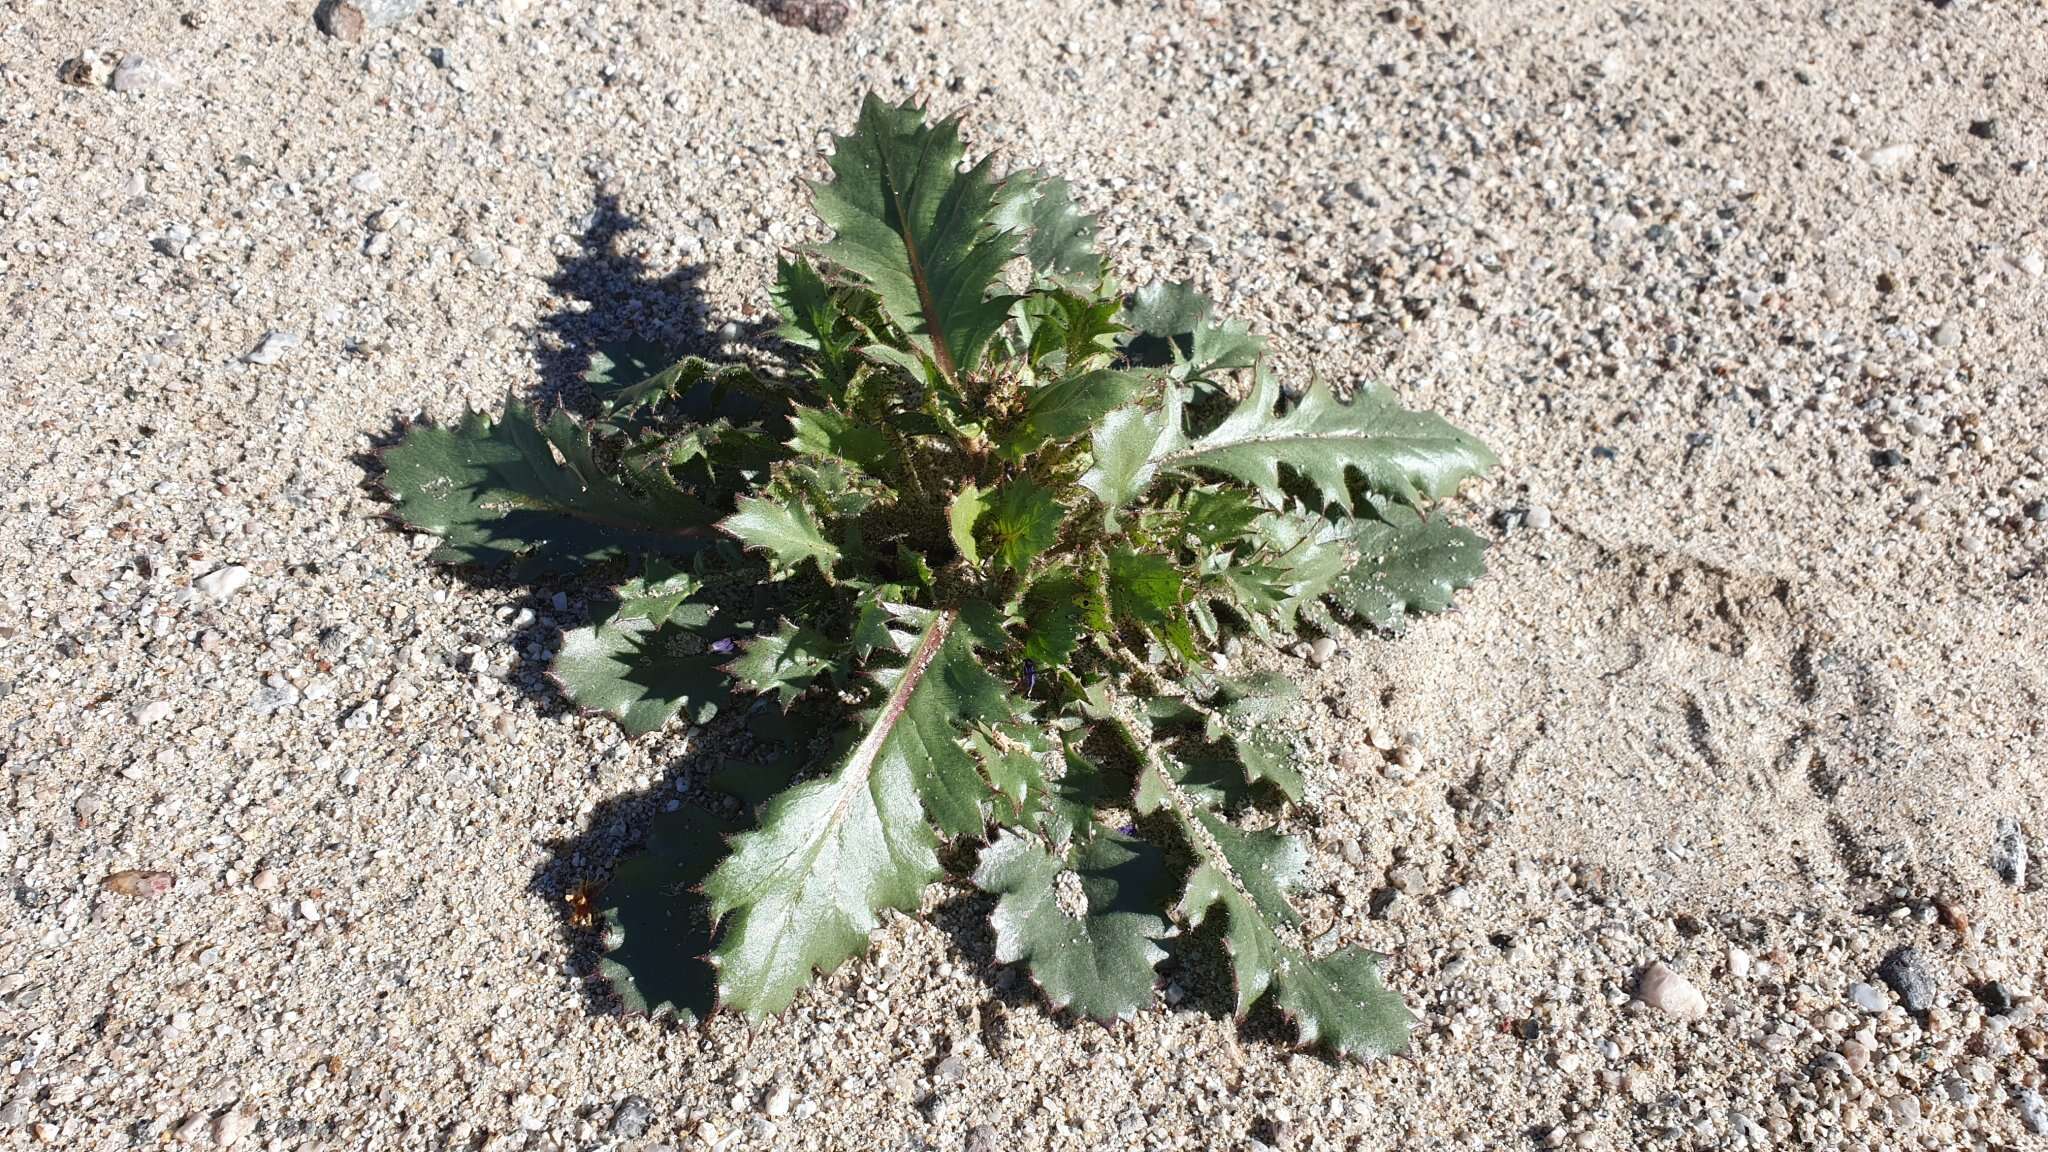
1405,567
785,662
1085,925
1149,590
506,491
822,432
803,892
657,926
1171,324
969,505
1059,608
644,666
1067,408
786,531
1129,443
1056,237
1337,1000
1409,456
1024,522
919,231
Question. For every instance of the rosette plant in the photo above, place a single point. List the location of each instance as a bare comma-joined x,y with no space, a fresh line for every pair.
992,522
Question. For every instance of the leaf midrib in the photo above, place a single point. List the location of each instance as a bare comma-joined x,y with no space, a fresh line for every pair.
942,354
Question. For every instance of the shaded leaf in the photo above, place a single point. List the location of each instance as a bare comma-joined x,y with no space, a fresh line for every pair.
784,662
1059,608
822,432
1023,522
1128,445
645,667
966,510
657,925
1084,926
786,531
1172,325
506,491
1055,236
1067,408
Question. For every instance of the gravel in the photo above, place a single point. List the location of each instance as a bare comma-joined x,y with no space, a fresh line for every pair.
2009,852
1909,975
1758,689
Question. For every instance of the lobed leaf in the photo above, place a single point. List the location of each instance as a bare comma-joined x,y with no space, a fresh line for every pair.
787,532
1084,924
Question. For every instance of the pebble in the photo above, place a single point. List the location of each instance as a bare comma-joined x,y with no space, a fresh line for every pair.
630,1120
154,712
1909,976
1855,1054
273,347
231,1126
2009,852
1947,335
982,1138
1665,990
139,882
222,583
346,19
2032,1112
1537,517
1320,652
1887,157
1738,963
139,74
778,1102
86,70
1867,998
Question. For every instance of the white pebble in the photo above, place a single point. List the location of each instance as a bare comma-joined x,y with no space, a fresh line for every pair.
1319,653
222,583
275,344
229,1127
1887,157
154,712
1738,963
1667,991
778,1101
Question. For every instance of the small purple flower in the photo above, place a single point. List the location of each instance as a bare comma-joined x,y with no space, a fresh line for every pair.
723,646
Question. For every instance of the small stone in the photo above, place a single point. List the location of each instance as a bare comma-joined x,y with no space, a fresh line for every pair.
1667,991
1738,963
981,1138
1887,458
346,19
1995,997
265,880
311,910
1867,997
1909,976
139,74
1947,335
139,882
2032,1112
1537,518
154,712
2009,852
273,347
631,1118
779,1101
1984,129
1887,157
87,70
367,181
231,1126
1855,1054
222,583
1320,652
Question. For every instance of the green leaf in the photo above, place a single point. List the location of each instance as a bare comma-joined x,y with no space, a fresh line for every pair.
1084,926
1023,522
1150,590
1171,324
785,662
822,432
919,231
962,514
506,491
803,892
657,926
646,662
1056,237
1129,443
1407,567
1409,456
1336,1000
1067,408
786,531
1059,608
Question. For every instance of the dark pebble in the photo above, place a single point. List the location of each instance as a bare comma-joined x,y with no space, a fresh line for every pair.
1906,971
1995,997
1984,129
1887,458
631,1120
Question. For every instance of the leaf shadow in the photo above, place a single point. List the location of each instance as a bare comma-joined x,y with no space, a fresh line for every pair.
612,303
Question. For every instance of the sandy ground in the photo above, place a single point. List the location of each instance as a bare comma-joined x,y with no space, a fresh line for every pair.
1748,297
